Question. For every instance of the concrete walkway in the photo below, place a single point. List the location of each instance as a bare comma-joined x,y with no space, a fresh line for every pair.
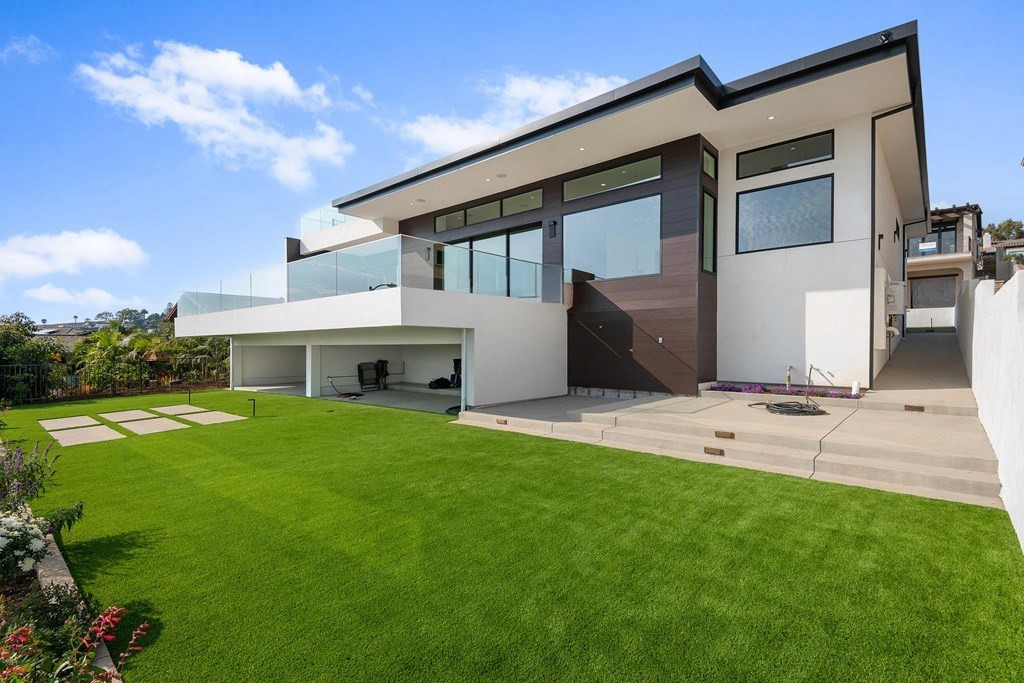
927,370
940,451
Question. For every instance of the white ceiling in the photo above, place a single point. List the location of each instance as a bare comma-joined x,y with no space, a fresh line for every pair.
872,88
899,145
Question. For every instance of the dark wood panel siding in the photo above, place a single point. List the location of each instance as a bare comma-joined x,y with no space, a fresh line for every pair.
614,326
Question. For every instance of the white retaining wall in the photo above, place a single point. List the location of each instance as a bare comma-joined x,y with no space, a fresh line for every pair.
990,329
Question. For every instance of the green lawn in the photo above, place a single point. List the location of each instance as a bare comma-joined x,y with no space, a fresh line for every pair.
328,541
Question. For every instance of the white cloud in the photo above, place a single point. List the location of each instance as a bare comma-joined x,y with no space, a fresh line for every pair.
517,100
220,102
67,252
363,93
31,49
91,297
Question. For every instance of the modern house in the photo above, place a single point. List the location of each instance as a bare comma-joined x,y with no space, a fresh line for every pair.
674,231
942,253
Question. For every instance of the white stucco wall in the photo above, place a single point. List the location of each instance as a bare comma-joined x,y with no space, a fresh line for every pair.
807,304
990,329
268,365
516,348
888,252
931,317
424,363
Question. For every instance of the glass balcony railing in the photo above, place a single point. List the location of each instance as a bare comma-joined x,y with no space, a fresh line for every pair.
944,242
399,261
321,219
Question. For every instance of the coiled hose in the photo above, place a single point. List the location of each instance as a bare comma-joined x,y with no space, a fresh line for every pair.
791,408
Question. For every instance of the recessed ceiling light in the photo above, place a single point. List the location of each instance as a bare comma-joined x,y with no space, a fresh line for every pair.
771,118
582,148
792,149
487,180
604,184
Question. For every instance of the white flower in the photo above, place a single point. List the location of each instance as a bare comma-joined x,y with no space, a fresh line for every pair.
36,545
3,541
27,564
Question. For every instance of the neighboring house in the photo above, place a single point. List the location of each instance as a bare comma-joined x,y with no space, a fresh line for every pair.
942,253
1006,252
706,230
69,334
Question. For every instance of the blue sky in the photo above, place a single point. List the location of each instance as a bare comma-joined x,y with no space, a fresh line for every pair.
148,147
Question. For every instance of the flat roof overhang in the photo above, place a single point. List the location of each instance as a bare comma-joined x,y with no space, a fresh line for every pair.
866,76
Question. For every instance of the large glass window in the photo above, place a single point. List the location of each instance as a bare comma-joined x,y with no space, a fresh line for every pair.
621,240
790,154
788,215
708,233
489,276
525,248
519,275
612,179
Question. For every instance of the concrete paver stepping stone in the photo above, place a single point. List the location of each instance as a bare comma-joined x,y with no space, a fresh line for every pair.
180,409
74,437
154,426
67,423
211,417
126,415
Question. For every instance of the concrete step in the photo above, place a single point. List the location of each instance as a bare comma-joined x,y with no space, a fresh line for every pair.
908,454
954,496
912,404
789,459
787,434
946,441
587,430
515,424
984,484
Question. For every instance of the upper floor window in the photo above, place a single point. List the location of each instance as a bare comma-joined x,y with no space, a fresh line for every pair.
790,154
710,164
612,179
527,201
788,215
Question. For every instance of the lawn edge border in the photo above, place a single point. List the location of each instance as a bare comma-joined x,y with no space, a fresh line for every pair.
53,569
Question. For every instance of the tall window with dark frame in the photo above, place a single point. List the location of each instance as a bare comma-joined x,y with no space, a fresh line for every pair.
709,233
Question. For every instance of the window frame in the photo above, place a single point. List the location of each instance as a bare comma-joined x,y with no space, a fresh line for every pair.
661,239
714,233
831,157
468,244
832,213
660,176
705,150
501,210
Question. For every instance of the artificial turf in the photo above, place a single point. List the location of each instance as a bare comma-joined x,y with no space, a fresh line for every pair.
329,541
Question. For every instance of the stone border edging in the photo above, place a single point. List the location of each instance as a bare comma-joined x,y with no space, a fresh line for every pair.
52,569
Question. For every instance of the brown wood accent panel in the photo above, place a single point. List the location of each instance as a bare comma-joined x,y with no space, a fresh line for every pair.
614,325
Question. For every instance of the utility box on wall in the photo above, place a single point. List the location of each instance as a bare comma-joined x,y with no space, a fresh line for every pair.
895,298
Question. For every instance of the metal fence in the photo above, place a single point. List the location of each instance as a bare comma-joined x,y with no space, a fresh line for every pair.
60,382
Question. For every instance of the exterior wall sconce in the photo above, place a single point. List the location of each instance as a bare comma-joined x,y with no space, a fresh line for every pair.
552,229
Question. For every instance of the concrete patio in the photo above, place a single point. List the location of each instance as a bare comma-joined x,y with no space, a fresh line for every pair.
916,433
